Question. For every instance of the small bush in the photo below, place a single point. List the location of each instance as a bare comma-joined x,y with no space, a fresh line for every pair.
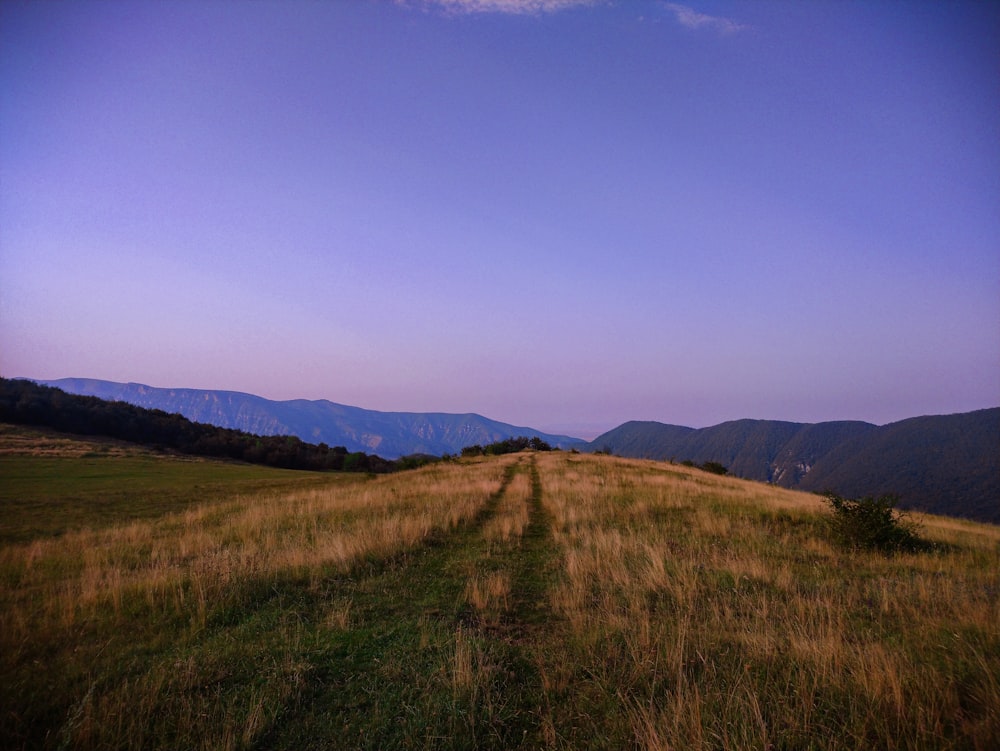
715,468
873,524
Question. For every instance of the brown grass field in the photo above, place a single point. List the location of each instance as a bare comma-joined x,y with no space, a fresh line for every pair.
538,600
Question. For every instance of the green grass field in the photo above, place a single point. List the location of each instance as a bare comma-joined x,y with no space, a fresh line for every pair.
54,484
537,600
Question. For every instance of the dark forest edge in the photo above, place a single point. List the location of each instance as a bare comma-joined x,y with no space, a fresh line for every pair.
27,403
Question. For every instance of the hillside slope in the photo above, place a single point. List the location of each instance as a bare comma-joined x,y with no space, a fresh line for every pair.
948,464
389,434
541,600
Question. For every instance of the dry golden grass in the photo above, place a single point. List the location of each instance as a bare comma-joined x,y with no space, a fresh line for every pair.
487,593
173,594
18,440
723,617
183,566
512,513
474,691
488,588
664,608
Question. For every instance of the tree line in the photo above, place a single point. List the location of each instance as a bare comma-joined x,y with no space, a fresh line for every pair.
507,446
29,403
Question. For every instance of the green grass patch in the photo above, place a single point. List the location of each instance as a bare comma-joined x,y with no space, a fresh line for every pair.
44,496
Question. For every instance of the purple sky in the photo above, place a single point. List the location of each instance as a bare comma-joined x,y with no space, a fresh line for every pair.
554,213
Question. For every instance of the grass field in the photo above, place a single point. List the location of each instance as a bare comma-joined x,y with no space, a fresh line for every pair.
54,483
545,600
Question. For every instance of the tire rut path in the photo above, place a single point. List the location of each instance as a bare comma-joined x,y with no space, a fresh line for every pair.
415,666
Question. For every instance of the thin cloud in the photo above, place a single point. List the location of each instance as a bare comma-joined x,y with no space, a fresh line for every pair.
510,7
692,19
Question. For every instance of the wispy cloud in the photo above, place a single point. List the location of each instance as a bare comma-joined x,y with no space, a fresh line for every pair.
692,19
512,7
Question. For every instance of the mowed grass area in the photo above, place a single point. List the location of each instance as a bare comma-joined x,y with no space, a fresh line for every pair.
538,600
51,483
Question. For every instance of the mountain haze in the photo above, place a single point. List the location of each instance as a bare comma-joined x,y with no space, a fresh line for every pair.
946,464
388,434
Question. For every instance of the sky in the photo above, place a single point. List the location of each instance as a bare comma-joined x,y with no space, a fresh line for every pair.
564,214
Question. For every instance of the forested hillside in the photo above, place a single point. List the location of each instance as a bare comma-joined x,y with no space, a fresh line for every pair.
389,434
948,464
27,403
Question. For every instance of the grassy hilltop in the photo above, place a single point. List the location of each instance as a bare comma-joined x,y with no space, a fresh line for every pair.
533,600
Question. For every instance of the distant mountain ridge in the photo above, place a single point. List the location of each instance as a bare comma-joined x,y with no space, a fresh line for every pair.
387,434
944,464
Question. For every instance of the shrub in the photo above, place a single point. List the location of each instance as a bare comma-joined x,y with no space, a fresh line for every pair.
715,468
873,524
